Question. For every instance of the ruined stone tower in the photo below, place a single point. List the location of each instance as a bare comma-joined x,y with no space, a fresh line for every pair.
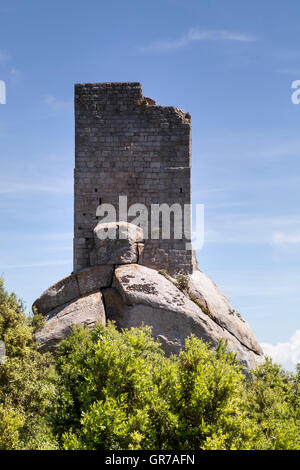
126,145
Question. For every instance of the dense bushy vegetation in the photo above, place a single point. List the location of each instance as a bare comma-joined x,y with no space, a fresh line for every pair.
27,388
116,390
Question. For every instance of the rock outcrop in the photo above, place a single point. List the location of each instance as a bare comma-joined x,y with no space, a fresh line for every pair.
86,311
126,146
212,300
132,295
141,295
73,287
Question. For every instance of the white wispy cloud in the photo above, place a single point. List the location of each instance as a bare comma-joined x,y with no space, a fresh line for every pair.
55,236
287,354
239,184
287,55
291,71
4,57
7,187
281,238
15,75
57,104
225,205
265,285
194,35
249,146
248,229
37,265
287,148
48,236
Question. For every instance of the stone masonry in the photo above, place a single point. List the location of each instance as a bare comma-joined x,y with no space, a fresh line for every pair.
125,145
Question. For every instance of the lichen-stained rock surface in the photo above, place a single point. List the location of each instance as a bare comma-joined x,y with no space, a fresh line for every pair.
209,296
72,287
59,293
133,295
120,247
141,295
91,279
85,311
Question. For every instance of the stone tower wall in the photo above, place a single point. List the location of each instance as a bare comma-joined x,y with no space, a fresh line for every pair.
126,145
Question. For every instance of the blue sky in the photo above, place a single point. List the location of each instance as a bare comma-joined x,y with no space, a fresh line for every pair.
231,65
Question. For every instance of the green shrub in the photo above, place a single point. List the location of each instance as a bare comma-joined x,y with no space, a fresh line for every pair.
117,390
26,387
182,282
272,402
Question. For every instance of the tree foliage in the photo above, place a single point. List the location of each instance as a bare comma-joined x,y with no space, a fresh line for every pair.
119,391
108,389
26,387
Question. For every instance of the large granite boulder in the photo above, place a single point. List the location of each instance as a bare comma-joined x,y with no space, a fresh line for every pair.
72,287
75,300
141,295
116,243
211,299
133,295
58,294
86,311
